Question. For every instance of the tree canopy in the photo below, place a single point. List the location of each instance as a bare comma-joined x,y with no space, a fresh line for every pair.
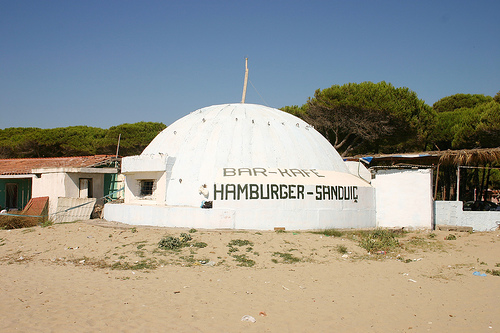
468,127
76,140
458,101
368,117
357,118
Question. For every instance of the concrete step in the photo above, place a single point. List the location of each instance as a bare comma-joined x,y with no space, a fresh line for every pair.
454,228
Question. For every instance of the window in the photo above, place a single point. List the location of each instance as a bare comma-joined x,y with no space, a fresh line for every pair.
147,186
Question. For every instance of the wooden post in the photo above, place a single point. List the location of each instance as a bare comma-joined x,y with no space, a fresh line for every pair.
245,82
118,146
437,181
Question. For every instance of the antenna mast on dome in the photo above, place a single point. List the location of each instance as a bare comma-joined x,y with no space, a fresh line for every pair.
245,83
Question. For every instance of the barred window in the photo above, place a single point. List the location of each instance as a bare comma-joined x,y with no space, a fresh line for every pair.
146,187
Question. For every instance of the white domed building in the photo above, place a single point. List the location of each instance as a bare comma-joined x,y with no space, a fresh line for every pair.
242,166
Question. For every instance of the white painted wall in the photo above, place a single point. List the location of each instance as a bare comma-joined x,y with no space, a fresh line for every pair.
52,185
73,184
452,213
313,209
156,167
358,169
265,218
65,182
404,198
133,188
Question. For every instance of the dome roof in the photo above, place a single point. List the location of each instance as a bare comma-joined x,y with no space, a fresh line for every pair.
243,135
242,166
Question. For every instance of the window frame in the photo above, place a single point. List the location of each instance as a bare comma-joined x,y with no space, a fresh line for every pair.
146,187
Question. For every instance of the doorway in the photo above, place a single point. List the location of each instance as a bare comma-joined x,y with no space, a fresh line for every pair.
85,187
11,196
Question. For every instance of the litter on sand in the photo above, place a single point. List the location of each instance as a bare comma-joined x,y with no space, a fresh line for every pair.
248,318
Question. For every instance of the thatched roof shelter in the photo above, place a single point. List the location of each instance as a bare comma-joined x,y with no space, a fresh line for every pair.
470,156
450,161
463,157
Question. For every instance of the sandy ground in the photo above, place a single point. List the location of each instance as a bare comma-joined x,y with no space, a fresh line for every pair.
97,276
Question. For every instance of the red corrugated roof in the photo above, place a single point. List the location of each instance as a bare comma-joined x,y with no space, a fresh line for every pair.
21,166
36,206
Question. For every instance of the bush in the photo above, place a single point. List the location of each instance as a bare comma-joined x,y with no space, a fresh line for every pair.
185,237
17,222
495,272
342,249
169,243
378,240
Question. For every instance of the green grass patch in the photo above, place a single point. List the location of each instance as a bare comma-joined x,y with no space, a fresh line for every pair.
329,232
243,260
377,239
286,258
450,237
494,272
191,260
422,243
146,264
417,241
342,249
185,237
239,242
232,249
406,261
47,223
235,243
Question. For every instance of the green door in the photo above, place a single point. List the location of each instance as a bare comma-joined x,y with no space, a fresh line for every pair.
15,193
111,185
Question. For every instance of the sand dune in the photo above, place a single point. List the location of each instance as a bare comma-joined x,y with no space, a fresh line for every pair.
96,276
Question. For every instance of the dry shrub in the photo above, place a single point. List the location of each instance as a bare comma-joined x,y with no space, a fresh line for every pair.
17,222
377,239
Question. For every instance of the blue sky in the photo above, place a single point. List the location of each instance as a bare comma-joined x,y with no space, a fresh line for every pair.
104,63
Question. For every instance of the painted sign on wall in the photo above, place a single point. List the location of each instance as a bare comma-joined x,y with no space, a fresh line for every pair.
284,184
